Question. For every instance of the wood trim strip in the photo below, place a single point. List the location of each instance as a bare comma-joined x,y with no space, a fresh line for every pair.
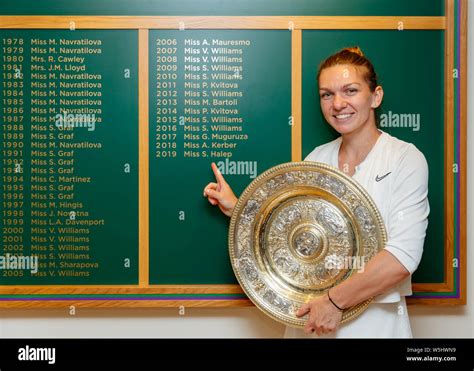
296,94
143,178
449,146
463,153
105,304
224,22
431,287
120,290
434,302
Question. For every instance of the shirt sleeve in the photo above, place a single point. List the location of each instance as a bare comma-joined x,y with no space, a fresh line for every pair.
409,209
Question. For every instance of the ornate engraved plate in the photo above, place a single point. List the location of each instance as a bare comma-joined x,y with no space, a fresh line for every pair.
297,230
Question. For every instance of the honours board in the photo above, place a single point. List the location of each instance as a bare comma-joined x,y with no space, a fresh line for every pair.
215,96
112,114
70,148
69,155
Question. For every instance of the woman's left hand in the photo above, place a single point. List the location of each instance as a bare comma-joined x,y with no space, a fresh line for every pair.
324,317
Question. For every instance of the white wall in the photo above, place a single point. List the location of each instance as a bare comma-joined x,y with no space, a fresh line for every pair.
143,323
240,322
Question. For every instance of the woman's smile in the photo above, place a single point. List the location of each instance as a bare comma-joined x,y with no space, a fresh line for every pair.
343,117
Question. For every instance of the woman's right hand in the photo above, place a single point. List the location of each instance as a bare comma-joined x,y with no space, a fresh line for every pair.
220,193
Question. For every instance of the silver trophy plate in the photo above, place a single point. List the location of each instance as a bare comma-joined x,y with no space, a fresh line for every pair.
297,230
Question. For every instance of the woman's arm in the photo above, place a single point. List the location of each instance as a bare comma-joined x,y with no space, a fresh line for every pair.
406,225
382,272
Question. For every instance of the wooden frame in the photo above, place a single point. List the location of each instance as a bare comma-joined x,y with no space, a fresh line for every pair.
449,160
224,22
232,295
143,182
296,98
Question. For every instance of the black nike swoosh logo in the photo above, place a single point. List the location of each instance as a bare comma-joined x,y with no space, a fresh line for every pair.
379,178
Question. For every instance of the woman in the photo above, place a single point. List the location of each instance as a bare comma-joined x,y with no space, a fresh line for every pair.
393,172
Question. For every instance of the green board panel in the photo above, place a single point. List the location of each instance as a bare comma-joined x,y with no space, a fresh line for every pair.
224,7
410,68
69,156
204,86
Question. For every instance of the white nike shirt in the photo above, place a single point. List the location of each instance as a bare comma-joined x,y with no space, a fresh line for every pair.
395,174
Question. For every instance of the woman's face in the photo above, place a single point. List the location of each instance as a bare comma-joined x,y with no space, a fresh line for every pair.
346,100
